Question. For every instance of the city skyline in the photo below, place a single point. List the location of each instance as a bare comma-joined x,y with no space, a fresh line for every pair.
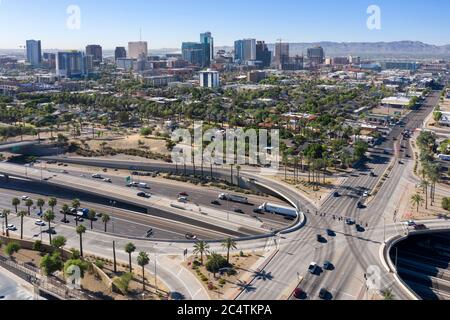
116,25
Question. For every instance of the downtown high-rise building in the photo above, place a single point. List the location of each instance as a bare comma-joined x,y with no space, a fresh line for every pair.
316,56
120,53
71,64
208,42
95,51
194,53
34,52
245,50
263,54
281,54
137,49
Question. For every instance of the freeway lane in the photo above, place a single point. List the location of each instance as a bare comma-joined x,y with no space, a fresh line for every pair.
125,222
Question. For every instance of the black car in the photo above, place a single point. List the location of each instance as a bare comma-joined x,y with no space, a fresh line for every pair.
323,294
216,203
143,195
237,210
331,233
190,236
336,194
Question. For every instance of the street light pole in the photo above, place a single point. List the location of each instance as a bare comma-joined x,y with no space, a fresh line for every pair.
156,276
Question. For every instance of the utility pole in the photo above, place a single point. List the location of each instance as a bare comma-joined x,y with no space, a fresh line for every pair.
156,276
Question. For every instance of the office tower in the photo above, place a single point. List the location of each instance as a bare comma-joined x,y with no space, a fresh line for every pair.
96,52
49,60
208,42
263,54
34,54
120,53
135,49
281,54
126,64
354,60
70,64
209,79
316,56
245,50
194,53
340,61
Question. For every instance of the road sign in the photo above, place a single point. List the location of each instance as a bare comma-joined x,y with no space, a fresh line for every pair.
128,179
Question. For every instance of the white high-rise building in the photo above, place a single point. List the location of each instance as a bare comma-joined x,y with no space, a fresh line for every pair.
137,48
209,79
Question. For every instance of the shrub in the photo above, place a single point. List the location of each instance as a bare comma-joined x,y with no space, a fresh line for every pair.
37,245
215,263
11,248
241,254
99,263
75,254
446,204
123,282
82,265
222,282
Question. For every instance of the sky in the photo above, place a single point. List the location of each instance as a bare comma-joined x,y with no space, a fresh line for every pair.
165,24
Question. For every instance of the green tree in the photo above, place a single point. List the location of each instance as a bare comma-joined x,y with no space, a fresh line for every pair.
65,210
80,231
83,266
11,248
29,203
40,203
15,202
417,200
51,263
130,248
6,213
91,216
388,295
142,261
49,216
52,202
105,219
215,263
446,204
22,214
229,244
122,283
59,242
201,248
37,245
76,203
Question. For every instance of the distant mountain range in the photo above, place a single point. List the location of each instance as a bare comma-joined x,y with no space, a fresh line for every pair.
397,49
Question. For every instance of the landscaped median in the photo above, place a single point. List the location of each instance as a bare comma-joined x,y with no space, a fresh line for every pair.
53,267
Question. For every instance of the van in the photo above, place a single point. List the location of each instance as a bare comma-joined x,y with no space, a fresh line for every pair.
143,185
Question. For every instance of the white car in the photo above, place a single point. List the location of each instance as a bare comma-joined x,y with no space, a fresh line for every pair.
11,227
108,180
97,176
40,223
411,223
25,198
183,199
366,194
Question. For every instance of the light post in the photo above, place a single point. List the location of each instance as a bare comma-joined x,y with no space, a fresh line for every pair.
156,276
3,225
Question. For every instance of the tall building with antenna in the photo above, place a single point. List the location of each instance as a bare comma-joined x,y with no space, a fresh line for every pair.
137,49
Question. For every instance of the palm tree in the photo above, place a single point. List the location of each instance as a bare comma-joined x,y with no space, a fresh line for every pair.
6,213
29,203
49,216
142,261
105,219
229,244
40,203
424,184
15,203
52,202
65,210
130,248
21,214
91,216
201,248
417,200
76,203
80,230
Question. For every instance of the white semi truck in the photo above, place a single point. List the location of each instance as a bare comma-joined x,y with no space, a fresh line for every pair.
233,198
277,209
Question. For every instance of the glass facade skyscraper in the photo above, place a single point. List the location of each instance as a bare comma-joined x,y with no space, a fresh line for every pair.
34,53
208,42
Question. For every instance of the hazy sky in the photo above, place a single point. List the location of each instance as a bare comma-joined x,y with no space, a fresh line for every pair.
165,24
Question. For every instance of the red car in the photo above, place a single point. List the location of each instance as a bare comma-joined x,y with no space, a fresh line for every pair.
183,194
299,293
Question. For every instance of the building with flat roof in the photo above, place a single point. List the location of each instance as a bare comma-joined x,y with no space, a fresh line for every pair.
95,51
70,64
209,79
137,48
245,50
281,54
34,52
